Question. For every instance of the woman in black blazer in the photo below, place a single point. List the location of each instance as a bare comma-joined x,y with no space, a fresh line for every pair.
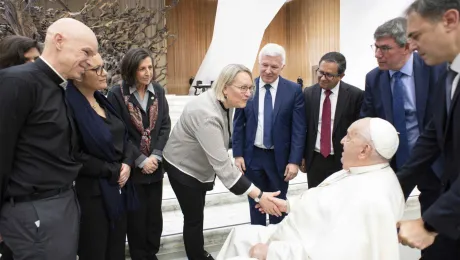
102,185
144,109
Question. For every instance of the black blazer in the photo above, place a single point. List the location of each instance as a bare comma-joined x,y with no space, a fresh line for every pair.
347,111
159,135
441,137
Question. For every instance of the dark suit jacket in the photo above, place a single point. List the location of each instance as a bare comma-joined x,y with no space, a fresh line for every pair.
159,135
347,110
441,136
289,125
378,96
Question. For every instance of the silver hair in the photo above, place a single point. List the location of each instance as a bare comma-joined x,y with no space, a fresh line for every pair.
273,49
226,78
394,28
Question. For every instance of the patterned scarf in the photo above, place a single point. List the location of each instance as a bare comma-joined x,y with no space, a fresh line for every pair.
136,119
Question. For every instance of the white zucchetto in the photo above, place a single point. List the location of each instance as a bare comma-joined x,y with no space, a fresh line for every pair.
384,136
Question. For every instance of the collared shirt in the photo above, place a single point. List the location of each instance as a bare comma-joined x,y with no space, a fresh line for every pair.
259,141
64,81
39,141
333,98
142,159
408,81
145,101
455,66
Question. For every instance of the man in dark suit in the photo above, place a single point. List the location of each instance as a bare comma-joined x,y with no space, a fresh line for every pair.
399,90
434,30
40,215
269,133
331,107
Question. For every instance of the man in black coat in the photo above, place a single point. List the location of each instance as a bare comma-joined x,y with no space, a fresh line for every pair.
331,107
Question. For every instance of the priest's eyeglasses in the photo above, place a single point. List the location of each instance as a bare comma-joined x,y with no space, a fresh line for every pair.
328,76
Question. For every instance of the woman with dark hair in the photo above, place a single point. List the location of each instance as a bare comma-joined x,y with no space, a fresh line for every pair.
17,50
143,106
103,187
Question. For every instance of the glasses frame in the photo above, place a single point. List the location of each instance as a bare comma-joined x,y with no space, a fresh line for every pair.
328,76
98,70
244,89
383,49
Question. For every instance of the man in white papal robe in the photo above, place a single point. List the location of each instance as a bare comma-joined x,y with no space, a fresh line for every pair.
352,215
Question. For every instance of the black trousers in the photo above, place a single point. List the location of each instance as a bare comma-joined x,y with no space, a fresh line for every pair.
191,201
321,168
146,224
100,239
42,229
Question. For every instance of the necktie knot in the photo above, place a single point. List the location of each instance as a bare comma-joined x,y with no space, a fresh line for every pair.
328,92
397,74
267,86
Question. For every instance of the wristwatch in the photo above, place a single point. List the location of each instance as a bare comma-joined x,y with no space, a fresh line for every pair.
257,199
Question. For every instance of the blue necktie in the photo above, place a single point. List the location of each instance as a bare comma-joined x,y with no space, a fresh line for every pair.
399,120
449,81
268,112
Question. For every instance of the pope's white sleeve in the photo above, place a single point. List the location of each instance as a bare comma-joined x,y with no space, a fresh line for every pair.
286,250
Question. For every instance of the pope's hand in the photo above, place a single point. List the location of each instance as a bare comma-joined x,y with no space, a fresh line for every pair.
267,205
259,251
280,203
412,233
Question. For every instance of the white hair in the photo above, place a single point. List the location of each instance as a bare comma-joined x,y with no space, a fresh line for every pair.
273,49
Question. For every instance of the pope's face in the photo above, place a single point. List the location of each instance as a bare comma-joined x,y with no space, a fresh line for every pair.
354,146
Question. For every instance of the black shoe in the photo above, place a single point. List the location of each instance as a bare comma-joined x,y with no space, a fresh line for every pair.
208,256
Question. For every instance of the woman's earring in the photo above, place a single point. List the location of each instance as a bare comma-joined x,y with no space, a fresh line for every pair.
225,96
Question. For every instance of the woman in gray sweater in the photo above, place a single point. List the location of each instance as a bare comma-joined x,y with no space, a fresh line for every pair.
197,151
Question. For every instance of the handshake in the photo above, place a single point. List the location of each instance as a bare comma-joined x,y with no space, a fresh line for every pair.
270,204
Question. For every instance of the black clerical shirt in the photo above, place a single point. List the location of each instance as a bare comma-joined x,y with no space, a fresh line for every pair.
37,137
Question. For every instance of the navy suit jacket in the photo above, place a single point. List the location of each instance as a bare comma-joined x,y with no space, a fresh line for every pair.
378,100
289,127
441,136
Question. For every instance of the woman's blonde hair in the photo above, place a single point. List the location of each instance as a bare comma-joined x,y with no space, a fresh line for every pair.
226,78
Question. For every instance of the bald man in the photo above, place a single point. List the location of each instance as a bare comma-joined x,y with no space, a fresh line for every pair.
39,216
350,215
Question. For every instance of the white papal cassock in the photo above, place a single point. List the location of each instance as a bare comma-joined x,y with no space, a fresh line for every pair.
352,215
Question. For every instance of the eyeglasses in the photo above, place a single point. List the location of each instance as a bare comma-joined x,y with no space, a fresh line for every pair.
244,89
98,70
328,76
383,48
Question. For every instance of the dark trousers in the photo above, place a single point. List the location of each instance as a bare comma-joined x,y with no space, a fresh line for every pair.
263,173
191,201
146,224
42,229
443,247
100,239
321,168
6,252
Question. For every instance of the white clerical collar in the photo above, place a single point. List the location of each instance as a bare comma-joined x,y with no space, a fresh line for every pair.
64,81
370,168
274,84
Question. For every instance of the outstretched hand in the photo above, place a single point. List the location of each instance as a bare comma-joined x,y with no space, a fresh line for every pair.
267,203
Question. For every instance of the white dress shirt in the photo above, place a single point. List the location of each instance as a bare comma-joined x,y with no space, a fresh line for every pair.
259,141
455,67
333,97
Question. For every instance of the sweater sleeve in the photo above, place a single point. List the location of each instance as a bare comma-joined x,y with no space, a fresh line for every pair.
209,135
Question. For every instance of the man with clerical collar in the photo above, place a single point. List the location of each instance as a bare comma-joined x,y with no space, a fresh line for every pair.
40,215
350,215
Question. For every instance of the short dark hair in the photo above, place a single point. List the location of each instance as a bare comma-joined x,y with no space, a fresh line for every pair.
130,64
336,57
433,9
13,48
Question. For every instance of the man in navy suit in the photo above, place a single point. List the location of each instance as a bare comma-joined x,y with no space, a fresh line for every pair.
400,91
434,30
269,133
